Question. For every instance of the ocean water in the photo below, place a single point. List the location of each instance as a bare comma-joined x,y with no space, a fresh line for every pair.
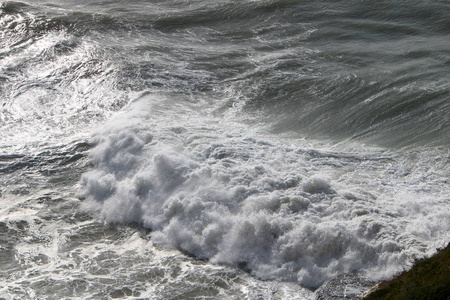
195,149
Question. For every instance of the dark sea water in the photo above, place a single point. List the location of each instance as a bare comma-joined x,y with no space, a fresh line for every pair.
201,149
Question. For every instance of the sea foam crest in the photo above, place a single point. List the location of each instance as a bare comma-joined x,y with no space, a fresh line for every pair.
278,211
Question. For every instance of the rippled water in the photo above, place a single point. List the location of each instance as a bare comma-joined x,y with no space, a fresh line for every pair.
219,149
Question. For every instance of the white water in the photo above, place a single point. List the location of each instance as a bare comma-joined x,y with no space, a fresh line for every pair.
283,209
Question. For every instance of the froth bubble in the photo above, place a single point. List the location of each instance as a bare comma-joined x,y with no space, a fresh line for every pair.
317,184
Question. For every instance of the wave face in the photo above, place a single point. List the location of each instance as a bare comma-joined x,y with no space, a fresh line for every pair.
297,140
338,71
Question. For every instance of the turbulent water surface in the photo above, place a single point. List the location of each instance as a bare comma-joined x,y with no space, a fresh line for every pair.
206,149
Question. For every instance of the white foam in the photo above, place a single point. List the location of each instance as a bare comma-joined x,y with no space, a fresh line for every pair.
216,190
